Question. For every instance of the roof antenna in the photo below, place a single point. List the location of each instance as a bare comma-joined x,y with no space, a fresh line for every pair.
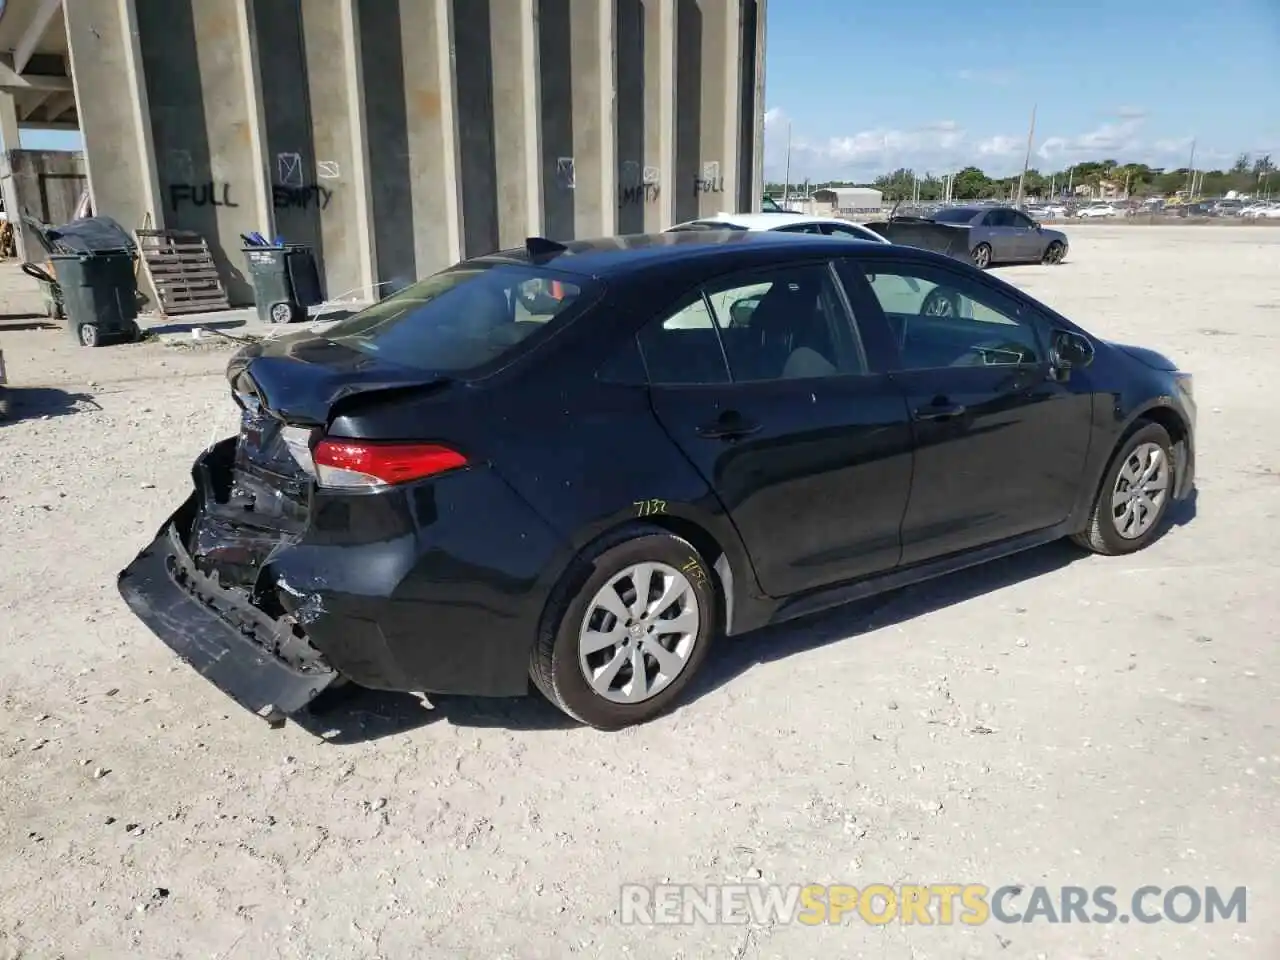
537,247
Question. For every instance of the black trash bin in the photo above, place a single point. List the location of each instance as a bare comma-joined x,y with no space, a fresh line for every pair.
99,295
285,281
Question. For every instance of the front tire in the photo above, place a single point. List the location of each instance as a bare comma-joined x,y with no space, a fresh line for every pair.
1134,496
1053,254
627,630
981,256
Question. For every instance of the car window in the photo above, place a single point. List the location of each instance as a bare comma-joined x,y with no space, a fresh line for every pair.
466,318
998,218
785,323
943,319
799,228
836,230
1022,220
683,347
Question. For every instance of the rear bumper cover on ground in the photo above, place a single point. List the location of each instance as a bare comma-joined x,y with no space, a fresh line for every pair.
163,588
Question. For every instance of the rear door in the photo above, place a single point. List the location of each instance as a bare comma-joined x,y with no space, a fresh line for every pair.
1000,442
763,382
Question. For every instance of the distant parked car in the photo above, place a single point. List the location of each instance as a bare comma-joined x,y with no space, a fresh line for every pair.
783,223
1095,210
1261,209
770,205
983,235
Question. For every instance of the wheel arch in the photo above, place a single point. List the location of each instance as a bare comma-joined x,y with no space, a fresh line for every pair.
1160,414
727,577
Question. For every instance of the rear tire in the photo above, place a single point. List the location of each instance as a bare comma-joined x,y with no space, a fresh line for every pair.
585,659
89,334
981,256
1122,520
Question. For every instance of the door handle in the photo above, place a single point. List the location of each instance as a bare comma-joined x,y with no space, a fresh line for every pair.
939,412
729,428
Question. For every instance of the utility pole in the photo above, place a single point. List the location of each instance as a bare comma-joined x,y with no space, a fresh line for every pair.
1191,172
786,186
1071,179
1026,162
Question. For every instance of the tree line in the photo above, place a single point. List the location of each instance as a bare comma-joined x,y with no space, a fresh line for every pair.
1249,175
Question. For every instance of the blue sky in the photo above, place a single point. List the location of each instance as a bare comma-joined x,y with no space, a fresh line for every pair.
939,84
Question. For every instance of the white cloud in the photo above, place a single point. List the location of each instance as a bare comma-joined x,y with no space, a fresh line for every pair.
944,145
1001,146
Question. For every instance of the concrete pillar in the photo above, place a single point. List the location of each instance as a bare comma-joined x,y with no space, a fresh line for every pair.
9,122
338,181
103,45
419,152
591,90
255,117
707,22
516,126
662,76
201,126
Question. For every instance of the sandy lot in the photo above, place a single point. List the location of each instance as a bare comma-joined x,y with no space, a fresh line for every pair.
1056,719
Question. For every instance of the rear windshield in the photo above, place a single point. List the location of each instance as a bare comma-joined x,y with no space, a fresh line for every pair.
465,319
955,215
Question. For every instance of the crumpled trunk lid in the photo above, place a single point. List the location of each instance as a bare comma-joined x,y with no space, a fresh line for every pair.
255,493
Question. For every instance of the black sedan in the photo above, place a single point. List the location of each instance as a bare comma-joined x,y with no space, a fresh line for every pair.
583,464
986,236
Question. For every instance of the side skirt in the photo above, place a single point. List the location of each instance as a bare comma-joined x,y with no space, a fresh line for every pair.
836,596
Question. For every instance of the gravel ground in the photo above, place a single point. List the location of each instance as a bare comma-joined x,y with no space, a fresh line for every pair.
1054,719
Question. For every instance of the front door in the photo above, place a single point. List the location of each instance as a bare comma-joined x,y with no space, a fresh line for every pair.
1000,442
1028,236
763,383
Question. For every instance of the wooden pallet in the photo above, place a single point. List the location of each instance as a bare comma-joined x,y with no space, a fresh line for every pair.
182,271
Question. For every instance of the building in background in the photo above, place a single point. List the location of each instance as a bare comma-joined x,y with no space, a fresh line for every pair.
848,201
396,136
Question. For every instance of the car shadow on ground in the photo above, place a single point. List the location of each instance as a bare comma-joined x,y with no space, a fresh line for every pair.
30,403
852,620
354,715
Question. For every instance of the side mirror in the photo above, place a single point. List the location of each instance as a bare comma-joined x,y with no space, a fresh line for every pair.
1071,350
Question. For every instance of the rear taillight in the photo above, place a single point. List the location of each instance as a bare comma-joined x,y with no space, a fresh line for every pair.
360,464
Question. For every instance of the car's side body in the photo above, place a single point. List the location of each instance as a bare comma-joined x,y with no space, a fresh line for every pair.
443,584
988,235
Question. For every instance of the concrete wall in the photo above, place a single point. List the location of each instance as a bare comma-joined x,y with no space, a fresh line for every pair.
46,184
398,136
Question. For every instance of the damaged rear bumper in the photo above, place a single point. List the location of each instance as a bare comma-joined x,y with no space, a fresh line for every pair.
263,663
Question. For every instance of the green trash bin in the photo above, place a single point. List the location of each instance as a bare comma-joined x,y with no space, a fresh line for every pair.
285,281
99,296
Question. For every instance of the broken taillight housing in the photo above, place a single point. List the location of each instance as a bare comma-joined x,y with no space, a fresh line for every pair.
362,464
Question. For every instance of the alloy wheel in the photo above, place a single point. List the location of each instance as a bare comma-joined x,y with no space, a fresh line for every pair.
638,632
1141,489
982,256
